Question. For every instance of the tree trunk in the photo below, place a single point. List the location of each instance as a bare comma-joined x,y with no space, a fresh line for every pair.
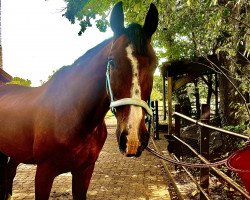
228,97
231,103
210,88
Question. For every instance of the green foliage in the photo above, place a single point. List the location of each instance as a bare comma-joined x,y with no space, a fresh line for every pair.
157,90
20,81
238,129
236,142
187,29
90,12
73,8
155,95
102,24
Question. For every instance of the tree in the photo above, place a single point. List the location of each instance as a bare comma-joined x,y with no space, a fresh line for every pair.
20,81
191,28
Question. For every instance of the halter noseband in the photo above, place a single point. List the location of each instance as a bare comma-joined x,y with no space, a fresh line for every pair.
125,101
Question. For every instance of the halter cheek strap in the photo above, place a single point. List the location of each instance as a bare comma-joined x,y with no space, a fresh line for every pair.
125,101
108,85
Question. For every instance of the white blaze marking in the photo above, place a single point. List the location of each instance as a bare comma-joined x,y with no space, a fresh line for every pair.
135,114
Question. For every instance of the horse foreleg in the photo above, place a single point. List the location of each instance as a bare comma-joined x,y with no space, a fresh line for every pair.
45,175
80,182
12,166
3,176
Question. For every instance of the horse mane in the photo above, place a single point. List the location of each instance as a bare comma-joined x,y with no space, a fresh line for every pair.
84,58
90,53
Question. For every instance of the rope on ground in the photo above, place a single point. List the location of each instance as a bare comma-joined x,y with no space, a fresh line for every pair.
168,173
194,180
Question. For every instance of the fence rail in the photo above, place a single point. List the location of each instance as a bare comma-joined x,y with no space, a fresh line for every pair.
203,123
198,122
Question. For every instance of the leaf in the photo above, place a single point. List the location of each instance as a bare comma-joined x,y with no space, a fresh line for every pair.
215,2
137,7
226,12
194,193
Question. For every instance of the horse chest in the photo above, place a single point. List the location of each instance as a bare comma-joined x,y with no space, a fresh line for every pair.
77,151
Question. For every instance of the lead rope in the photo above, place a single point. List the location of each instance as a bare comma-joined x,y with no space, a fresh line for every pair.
195,165
226,162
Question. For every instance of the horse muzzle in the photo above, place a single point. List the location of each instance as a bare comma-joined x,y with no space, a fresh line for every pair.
133,138
130,145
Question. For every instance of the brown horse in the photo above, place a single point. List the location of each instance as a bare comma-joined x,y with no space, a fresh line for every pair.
60,125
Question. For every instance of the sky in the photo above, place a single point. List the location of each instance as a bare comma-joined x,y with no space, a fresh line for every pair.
37,40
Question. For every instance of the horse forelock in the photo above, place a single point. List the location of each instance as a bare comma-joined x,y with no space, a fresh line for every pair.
137,37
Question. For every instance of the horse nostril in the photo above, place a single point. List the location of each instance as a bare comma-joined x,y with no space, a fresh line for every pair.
123,141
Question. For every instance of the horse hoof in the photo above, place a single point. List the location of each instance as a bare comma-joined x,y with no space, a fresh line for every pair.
9,197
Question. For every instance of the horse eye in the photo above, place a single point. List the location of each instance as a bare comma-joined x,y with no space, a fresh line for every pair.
111,62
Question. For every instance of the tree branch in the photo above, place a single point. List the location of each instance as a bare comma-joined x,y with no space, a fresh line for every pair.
245,102
248,26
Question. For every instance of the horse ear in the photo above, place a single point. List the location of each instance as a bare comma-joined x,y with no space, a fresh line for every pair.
117,19
151,21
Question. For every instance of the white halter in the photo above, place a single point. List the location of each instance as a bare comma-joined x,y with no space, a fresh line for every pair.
125,101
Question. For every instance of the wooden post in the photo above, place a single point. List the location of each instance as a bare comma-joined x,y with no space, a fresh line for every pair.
153,107
177,121
148,117
153,117
156,121
204,147
170,111
216,96
177,131
164,97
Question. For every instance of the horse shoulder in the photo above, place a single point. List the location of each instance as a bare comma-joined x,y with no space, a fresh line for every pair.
91,145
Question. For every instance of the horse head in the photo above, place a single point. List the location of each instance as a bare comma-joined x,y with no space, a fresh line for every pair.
132,63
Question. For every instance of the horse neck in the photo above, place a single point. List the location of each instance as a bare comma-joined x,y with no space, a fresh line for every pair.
97,84
93,80
81,88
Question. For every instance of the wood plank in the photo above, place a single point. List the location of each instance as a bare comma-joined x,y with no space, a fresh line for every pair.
170,110
184,80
